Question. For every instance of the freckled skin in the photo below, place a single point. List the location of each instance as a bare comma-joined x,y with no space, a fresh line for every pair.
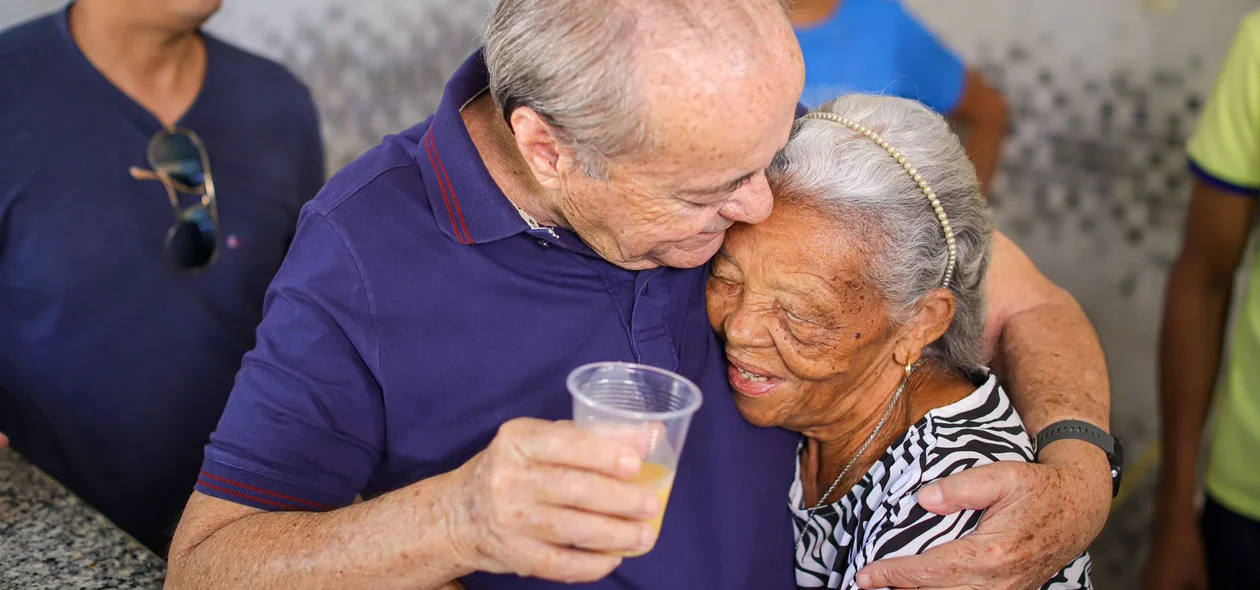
717,116
799,311
766,300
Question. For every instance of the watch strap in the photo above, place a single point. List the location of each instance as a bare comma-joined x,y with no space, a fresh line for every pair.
1084,431
1076,430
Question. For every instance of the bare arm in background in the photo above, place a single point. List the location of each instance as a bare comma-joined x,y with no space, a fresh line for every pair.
1038,517
983,111
1195,314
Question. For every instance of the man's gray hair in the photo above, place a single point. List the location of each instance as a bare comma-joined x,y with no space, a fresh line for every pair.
575,63
870,195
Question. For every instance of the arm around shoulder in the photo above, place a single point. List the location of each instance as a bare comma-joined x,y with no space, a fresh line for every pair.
1037,517
1046,346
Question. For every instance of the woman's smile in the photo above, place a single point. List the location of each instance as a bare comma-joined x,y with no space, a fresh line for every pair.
750,380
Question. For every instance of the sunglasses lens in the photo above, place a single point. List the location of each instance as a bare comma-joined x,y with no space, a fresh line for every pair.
192,241
177,155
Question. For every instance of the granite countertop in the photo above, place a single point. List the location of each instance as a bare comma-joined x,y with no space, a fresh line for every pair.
49,538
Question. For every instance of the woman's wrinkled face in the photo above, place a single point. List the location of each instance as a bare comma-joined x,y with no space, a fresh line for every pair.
799,317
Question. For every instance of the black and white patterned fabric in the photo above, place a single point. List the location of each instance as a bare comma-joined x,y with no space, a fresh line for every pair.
880,517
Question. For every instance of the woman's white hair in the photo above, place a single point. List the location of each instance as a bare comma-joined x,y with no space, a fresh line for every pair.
846,175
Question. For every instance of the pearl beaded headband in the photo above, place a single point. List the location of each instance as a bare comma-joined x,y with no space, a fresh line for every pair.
918,178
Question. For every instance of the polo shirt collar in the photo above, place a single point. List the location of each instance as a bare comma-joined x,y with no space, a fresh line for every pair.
469,206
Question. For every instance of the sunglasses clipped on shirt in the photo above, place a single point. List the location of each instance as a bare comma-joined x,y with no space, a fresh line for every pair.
177,158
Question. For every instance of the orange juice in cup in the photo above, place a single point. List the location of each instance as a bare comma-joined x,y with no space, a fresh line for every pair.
649,407
661,479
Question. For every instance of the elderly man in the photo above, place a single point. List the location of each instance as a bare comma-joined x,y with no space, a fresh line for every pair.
553,212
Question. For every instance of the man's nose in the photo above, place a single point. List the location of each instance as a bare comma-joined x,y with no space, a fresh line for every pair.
750,204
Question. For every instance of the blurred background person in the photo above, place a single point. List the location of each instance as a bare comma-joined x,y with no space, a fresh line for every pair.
1219,547
877,46
150,180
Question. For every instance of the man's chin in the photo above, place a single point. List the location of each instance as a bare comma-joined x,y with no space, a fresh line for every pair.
685,256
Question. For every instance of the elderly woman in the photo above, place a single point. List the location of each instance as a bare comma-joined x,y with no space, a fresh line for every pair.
854,316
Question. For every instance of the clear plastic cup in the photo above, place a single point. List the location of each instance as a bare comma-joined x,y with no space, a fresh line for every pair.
647,407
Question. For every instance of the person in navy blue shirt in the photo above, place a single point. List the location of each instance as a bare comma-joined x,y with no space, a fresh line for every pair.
878,46
118,349
560,208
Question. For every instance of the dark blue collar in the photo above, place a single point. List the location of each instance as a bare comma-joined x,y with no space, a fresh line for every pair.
470,207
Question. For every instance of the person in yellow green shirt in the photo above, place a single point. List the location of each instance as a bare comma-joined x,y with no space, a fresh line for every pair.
1219,548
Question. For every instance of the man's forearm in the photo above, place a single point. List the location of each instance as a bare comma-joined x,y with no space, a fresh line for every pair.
1055,366
391,541
1190,354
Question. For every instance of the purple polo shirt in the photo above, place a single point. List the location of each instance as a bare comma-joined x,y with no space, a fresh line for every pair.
416,312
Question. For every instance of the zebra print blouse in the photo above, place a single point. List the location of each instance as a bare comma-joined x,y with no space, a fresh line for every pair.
880,517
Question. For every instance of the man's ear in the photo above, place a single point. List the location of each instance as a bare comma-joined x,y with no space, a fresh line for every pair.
539,144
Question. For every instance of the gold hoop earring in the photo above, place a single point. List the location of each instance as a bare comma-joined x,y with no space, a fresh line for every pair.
909,369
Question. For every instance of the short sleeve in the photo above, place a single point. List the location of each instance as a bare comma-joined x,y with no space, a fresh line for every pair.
304,426
1225,148
909,529
932,73
976,431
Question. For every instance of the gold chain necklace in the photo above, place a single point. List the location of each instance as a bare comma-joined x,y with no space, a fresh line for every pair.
822,501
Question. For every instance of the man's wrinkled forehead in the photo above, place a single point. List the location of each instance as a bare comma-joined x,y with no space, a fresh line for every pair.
719,88
739,68
738,122
747,41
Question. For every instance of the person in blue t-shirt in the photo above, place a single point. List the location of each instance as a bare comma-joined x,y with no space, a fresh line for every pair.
877,46
150,182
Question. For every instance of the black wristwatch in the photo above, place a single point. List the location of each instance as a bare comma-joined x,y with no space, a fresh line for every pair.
1078,430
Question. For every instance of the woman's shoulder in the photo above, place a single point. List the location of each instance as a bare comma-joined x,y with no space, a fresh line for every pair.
982,428
979,429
